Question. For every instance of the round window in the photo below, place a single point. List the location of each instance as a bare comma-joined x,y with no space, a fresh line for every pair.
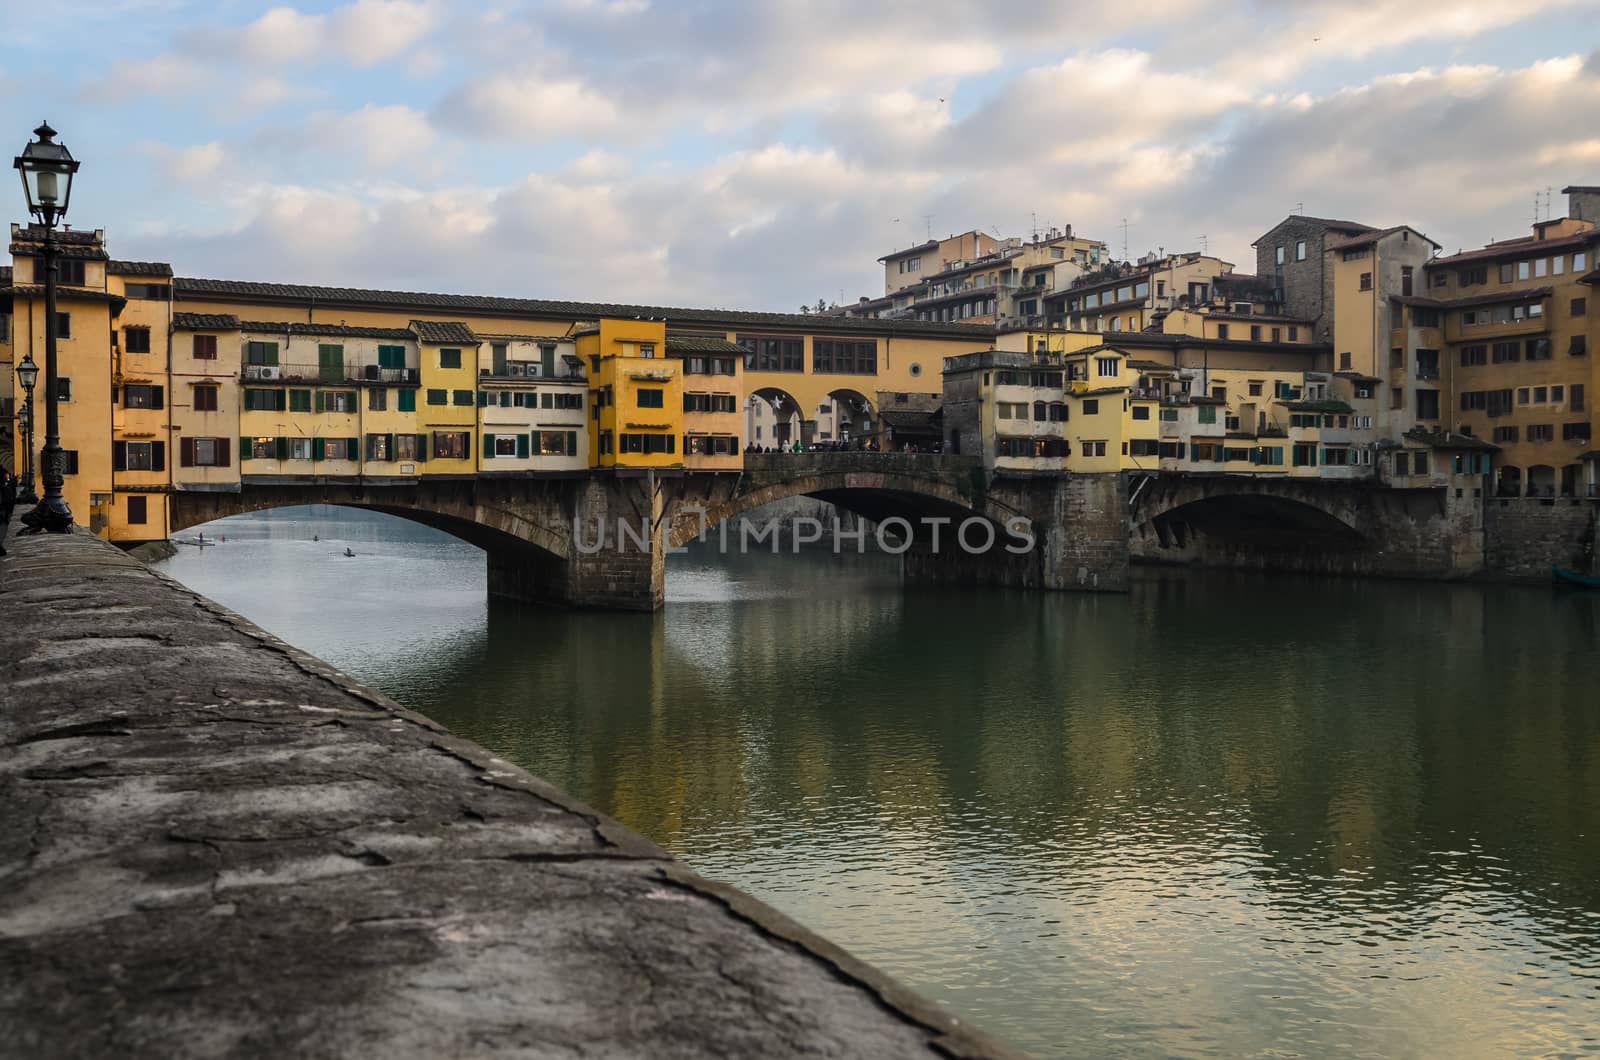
916,369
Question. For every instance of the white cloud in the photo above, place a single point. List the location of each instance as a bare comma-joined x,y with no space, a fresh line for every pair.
529,107
380,136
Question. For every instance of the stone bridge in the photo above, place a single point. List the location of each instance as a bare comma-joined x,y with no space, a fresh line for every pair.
600,538
1303,524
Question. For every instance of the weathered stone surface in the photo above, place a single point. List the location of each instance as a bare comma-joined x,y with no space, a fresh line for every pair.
213,844
1527,535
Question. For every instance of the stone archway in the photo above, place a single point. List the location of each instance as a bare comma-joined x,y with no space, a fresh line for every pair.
851,414
774,418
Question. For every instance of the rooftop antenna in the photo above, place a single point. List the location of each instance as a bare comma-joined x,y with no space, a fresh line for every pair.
1300,207
1124,239
1035,217
928,220
1204,242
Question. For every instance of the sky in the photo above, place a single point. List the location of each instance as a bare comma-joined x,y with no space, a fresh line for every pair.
762,154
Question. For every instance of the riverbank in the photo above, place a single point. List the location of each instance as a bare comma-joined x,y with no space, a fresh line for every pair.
214,843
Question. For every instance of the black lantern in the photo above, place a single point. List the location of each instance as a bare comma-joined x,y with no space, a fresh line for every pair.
46,168
28,374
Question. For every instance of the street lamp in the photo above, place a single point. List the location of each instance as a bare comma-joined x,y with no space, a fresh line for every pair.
27,376
46,168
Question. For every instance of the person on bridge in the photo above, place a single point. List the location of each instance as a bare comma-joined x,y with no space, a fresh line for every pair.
8,501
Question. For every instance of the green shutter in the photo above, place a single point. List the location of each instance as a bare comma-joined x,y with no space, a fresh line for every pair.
316,448
352,448
280,400
246,451
270,354
321,401
488,446
483,399
572,443
330,362
422,447
522,445
283,448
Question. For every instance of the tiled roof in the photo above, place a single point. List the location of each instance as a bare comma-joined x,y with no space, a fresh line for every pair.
920,248
1358,377
34,233
913,423
326,330
32,250
204,322
1323,222
1330,405
1477,299
1448,440
227,290
1511,248
1364,238
1590,277
444,331
522,338
5,275
688,344
138,268
65,294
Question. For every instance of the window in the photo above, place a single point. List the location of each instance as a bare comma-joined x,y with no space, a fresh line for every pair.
260,449
391,356
1141,412
260,353
1540,395
504,444
377,399
1427,364
1580,261
203,452
461,397
773,354
205,347
1424,318
650,397
1538,349
408,400
337,401
1294,334
63,325
205,399
259,400
1300,250
1427,404
1474,400
1402,463
1474,356
141,397
138,511
1091,407
1279,255
298,449
646,443
1208,413
1522,395
299,401
860,358
138,456
380,447
1505,434
1222,331
136,340
449,358
1106,367
1255,332
1305,454
1541,432
438,397
1255,388
1578,345
1336,456
1405,280
1576,397
408,447
1093,448
1366,281
1505,352
452,445
1573,432
68,270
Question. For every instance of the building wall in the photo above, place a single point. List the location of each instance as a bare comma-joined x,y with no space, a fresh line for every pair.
222,373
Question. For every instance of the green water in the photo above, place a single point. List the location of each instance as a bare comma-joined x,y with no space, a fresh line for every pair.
1220,815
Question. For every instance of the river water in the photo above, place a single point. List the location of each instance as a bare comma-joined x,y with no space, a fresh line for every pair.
1220,815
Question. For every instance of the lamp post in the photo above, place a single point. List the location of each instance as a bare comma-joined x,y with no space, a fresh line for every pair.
27,376
46,168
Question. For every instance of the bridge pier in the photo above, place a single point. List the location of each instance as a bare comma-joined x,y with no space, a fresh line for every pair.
1080,529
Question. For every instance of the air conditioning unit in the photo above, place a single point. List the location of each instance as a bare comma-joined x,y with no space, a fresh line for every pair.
535,370
261,371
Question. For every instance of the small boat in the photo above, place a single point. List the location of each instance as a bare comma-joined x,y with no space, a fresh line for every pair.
198,544
348,552
1572,577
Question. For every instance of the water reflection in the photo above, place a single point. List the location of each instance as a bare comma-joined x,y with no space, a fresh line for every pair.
1218,815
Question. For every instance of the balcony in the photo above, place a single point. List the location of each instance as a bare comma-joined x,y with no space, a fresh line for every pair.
327,376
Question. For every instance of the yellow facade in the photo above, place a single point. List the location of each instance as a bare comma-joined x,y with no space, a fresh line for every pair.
447,413
142,451
713,402
203,356
635,392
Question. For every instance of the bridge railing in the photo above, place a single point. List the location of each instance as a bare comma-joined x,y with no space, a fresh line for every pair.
918,464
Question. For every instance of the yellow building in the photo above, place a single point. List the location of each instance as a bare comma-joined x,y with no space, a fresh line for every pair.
635,394
1516,329
713,395
447,415
531,392
203,353
86,312
142,450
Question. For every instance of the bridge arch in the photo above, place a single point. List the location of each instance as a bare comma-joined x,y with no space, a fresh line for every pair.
775,417
1263,514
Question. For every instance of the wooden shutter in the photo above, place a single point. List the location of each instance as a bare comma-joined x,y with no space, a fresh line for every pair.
270,355
467,448
422,447
244,449
352,449
224,458
280,400
572,443
283,448
488,446
316,448
156,397
522,445
158,456
119,456
321,401
186,452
